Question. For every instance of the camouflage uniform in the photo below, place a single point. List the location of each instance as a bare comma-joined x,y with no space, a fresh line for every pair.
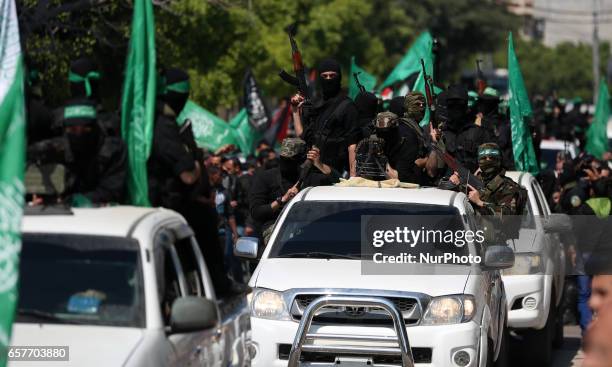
501,195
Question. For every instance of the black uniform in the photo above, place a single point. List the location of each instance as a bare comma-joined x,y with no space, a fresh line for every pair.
328,123
269,185
169,157
101,177
329,128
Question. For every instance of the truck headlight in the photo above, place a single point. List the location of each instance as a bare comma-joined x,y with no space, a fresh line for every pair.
449,310
524,264
267,304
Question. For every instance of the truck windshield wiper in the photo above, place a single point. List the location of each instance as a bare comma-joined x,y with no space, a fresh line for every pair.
321,255
45,316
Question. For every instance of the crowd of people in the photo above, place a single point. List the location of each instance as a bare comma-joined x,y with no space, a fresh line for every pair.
224,197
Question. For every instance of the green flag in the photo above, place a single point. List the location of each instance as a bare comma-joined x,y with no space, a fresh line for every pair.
411,62
366,79
12,167
520,111
138,101
246,136
597,135
210,131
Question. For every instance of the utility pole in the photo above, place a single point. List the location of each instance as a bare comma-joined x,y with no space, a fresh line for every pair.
595,51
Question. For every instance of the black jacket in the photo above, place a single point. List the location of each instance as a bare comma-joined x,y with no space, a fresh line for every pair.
170,156
102,179
268,185
330,123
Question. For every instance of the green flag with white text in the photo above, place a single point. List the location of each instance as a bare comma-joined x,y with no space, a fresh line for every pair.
12,166
411,62
138,100
597,135
210,131
520,113
366,79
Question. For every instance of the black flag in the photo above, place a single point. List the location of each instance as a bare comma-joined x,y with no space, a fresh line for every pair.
254,104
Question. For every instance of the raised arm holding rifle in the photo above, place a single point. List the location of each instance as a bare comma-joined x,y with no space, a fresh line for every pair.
327,122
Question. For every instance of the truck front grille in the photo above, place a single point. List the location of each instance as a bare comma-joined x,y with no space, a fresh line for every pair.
409,307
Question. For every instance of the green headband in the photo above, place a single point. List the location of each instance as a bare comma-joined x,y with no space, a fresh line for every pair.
76,78
79,112
488,152
178,87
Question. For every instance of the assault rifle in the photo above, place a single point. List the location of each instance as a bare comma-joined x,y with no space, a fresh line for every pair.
299,80
429,96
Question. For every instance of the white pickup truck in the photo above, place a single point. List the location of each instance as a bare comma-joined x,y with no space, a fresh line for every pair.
313,305
534,285
123,286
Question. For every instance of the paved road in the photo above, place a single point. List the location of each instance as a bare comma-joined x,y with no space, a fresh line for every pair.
569,355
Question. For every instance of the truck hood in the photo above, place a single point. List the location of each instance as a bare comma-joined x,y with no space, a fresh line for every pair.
88,345
283,274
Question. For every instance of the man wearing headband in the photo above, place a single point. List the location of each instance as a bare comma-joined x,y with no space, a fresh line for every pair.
84,77
97,163
500,196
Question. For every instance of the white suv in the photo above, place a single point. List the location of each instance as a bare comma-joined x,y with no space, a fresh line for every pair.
314,304
123,286
534,285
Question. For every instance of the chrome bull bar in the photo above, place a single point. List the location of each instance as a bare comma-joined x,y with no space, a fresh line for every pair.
303,335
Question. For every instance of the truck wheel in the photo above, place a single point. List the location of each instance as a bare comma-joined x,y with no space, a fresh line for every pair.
557,340
502,358
538,344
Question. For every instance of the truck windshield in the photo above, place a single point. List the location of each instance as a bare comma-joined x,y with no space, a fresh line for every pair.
333,229
80,279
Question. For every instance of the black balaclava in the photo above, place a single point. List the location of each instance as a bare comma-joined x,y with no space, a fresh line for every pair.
83,76
330,87
489,161
397,106
174,88
367,104
82,113
457,105
488,105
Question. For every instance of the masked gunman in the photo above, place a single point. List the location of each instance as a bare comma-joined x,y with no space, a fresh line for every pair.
96,163
272,189
328,122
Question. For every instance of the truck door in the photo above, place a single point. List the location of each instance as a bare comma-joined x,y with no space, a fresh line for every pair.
182,277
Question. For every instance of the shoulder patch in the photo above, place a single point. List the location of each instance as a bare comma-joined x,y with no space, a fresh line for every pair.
575,201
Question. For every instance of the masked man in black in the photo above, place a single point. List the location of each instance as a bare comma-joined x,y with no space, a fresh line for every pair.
272,189
402,152
96,163
461,136
327,123
367,105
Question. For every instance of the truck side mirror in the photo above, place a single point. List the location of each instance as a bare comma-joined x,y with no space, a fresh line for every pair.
498,257
246,247
558,223
192,314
